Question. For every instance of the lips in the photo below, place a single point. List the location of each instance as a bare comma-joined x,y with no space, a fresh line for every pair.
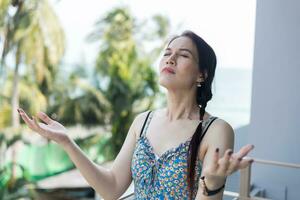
169,70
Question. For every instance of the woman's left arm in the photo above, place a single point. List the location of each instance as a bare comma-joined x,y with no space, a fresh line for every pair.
219,160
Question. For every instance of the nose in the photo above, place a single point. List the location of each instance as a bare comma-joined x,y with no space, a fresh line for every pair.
170,60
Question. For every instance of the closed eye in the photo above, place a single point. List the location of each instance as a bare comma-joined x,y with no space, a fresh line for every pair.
167,54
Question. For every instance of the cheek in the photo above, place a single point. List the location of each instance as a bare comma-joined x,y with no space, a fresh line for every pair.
188,68
189,72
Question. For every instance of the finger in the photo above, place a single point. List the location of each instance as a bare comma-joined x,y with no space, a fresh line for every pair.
26,119
227,155
233,166
224,162
215,159
45,118
244,151
244,163
39,129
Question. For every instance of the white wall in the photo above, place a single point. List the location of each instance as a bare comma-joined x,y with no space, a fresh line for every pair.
275,106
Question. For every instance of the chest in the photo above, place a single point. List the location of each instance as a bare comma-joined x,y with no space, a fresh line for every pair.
164,136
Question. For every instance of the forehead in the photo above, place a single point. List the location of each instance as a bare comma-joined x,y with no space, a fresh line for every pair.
183,43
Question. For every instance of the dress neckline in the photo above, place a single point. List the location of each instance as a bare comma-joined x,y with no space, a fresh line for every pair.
172,149
168,151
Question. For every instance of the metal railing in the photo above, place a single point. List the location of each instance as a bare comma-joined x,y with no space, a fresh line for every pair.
245,180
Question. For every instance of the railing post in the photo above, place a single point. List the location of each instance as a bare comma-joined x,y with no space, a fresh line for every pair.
97,196
245,179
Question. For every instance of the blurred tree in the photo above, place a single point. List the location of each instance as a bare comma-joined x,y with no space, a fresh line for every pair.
34,37
123,67
76,100
20,187
31,98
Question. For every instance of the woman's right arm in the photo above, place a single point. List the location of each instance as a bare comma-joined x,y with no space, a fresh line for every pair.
98,177
109,183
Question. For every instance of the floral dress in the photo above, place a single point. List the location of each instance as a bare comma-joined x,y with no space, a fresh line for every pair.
165,176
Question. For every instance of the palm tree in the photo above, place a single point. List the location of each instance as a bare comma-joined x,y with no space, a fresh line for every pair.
123,67
75,99
36,39
29,93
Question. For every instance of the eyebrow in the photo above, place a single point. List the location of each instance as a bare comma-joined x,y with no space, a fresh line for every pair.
183,49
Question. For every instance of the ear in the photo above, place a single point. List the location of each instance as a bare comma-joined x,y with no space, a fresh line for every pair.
201,78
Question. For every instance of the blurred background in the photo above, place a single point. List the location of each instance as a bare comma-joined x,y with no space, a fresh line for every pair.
92,65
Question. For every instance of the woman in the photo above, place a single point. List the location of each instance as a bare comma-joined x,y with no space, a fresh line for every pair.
166,150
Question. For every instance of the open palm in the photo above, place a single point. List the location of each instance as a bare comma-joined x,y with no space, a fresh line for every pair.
222,167
50,129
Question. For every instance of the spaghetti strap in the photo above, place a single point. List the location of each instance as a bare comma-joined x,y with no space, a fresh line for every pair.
145,123
207,126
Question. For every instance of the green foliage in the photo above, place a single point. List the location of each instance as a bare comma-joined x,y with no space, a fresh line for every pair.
33,36
96,146
5,114
37,34
4,4
31,98
13,186
123,68
36,162
76,100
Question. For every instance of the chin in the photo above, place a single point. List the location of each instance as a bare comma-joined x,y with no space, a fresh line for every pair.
166,83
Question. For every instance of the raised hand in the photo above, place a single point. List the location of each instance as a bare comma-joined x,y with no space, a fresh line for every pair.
222,167
50,129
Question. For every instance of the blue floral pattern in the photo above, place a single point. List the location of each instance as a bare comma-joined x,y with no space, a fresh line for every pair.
165,176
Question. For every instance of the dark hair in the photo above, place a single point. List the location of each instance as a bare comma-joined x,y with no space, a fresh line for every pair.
207,65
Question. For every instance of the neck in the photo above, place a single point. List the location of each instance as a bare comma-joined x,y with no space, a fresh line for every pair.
182,105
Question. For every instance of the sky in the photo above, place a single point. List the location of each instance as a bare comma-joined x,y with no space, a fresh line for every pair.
228,26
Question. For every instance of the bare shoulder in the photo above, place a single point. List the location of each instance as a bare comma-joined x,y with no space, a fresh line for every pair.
223,126
220,133
138,122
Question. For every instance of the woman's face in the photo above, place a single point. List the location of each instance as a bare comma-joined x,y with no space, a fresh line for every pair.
178,68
